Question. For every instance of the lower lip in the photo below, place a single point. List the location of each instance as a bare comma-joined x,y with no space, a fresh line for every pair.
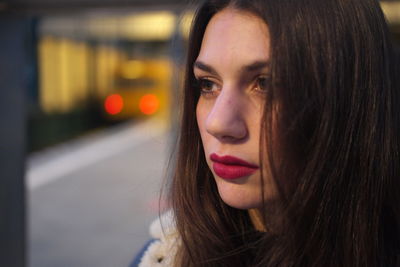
232,171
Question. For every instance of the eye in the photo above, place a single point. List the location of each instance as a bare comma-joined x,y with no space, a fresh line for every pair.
206,86
262,84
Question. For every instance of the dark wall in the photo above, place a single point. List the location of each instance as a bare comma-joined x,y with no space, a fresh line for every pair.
13,78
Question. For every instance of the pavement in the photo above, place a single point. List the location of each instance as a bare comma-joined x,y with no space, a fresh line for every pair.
90,201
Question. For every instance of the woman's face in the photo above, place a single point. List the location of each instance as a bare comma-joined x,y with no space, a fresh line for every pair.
232,71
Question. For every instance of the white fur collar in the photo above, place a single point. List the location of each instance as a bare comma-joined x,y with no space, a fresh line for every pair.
161,253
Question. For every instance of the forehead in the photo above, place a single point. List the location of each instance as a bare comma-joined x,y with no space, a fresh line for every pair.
235,37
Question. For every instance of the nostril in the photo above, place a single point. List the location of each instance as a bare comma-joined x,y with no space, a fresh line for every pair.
232,139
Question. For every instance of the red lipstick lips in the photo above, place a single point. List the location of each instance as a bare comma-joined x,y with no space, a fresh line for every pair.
229,167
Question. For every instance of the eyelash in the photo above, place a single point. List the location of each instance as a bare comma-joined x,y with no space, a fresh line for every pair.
201,84
264,87
261,85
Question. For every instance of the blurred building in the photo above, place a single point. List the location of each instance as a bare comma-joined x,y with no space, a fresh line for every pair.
105,65
98,68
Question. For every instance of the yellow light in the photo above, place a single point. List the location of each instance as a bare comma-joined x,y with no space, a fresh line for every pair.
132,69
185,23
392,11
148,26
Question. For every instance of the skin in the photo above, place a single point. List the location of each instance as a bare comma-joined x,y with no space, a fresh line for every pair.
232,71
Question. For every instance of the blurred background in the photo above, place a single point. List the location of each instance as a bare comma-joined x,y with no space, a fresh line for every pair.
99,82
101,122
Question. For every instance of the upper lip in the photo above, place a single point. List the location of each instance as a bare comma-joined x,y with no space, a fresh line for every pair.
231,160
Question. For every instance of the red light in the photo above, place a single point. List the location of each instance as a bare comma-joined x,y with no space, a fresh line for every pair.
149,104
113,104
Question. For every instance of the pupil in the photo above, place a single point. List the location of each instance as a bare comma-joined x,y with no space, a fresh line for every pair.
262,83
207,84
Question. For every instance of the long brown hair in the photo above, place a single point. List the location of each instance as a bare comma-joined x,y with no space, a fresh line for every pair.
333,75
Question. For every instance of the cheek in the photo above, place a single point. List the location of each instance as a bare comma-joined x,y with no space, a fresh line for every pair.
201,116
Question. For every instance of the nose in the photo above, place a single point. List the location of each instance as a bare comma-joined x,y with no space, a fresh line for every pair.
226,119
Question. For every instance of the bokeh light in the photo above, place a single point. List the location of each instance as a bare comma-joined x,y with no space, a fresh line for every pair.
114,104
149,104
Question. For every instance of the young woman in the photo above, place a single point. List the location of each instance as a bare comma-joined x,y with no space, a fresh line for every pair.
289,144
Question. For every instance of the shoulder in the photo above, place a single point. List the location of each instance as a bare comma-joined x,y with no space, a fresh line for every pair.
162,250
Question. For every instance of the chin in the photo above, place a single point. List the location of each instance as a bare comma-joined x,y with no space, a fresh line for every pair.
239,196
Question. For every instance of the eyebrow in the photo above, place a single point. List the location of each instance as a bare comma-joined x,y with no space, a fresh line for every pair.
252,67
256,65
205,67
